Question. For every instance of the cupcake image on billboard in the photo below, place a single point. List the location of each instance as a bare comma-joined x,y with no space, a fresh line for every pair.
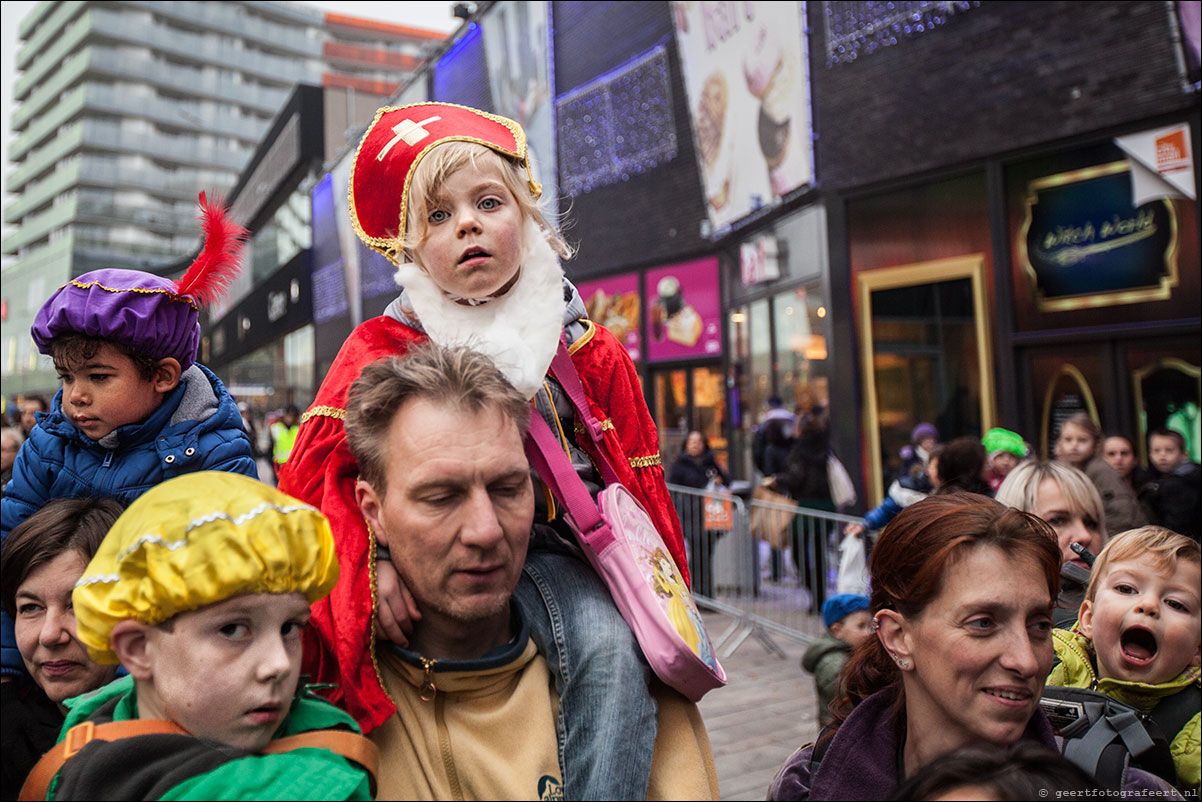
684,317
671,317
746,75
773,79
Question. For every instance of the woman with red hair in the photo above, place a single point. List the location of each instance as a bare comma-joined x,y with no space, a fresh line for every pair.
962,594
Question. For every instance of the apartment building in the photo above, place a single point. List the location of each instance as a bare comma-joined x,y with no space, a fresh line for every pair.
124,111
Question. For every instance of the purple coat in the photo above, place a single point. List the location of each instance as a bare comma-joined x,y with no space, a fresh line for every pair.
862,760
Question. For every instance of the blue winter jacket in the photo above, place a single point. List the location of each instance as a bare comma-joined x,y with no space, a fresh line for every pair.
196,428
902,493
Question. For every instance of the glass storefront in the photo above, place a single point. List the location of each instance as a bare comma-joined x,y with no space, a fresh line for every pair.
778,347
689,398
800,348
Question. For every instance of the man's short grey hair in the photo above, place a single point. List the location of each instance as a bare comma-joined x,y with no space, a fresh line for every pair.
455,377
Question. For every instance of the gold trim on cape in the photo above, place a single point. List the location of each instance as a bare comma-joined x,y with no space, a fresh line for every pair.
324,411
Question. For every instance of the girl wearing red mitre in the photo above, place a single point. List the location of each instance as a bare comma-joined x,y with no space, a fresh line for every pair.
447,194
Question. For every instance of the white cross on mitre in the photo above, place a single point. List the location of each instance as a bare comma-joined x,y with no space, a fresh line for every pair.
409,131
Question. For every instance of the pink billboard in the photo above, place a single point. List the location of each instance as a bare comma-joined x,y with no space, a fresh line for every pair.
684,314
614,303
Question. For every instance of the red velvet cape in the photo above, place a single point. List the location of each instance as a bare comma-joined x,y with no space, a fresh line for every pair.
340,643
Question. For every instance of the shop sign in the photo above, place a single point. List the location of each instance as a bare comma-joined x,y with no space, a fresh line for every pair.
684,314
759,260
1162,163
1085,243
614,303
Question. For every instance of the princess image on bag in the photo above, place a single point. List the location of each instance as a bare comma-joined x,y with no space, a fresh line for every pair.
681,611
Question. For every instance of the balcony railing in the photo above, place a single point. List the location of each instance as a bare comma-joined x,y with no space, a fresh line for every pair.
47,19
43,192
48,61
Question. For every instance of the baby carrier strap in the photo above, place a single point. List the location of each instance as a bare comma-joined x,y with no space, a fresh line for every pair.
1173,712
1105,737
350,745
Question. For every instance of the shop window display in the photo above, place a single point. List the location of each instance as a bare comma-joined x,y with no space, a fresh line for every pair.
779,348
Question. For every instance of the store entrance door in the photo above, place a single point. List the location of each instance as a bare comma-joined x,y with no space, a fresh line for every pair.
1129,387
925,355
687,398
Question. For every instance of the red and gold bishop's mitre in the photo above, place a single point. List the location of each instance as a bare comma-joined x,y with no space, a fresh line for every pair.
395,142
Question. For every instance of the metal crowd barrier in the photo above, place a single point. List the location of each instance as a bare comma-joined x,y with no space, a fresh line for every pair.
742,576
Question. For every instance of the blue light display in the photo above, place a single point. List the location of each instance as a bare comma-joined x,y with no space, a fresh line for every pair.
461,75
861,28
619,124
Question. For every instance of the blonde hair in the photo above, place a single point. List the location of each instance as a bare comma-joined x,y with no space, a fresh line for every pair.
1021,489
1163,547
437,166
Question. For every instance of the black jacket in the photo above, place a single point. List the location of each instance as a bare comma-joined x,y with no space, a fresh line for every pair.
1175,501
805,475
697,472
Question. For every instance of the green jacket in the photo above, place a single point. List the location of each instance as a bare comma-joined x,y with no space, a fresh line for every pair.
825,659
283,438
183,767
1076,669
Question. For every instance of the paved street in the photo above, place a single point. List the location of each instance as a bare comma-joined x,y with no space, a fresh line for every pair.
763,714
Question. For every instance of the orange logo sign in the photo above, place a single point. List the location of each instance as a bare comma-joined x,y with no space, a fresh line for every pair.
1172,151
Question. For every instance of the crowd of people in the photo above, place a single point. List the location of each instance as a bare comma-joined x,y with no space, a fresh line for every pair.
1103,511
412,614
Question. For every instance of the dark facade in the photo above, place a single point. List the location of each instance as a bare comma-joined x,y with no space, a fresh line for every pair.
992,80
899,283
927,151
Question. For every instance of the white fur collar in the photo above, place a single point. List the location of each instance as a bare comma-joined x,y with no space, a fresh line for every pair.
519,331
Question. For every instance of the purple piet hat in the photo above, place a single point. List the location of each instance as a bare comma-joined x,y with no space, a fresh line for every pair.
150,314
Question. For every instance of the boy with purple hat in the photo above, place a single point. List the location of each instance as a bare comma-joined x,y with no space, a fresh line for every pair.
135,408
914,457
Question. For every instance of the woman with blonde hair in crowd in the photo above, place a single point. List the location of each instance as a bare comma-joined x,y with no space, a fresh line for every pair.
1065,498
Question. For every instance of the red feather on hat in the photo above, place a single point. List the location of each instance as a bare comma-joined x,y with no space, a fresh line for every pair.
220,259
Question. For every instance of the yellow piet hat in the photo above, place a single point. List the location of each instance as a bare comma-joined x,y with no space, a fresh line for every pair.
197,540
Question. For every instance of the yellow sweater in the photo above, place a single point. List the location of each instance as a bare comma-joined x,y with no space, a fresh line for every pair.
490,734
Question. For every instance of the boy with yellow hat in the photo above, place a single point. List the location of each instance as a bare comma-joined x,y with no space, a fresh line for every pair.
201,590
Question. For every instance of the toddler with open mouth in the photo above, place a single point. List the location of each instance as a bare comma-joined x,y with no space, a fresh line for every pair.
1137,638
